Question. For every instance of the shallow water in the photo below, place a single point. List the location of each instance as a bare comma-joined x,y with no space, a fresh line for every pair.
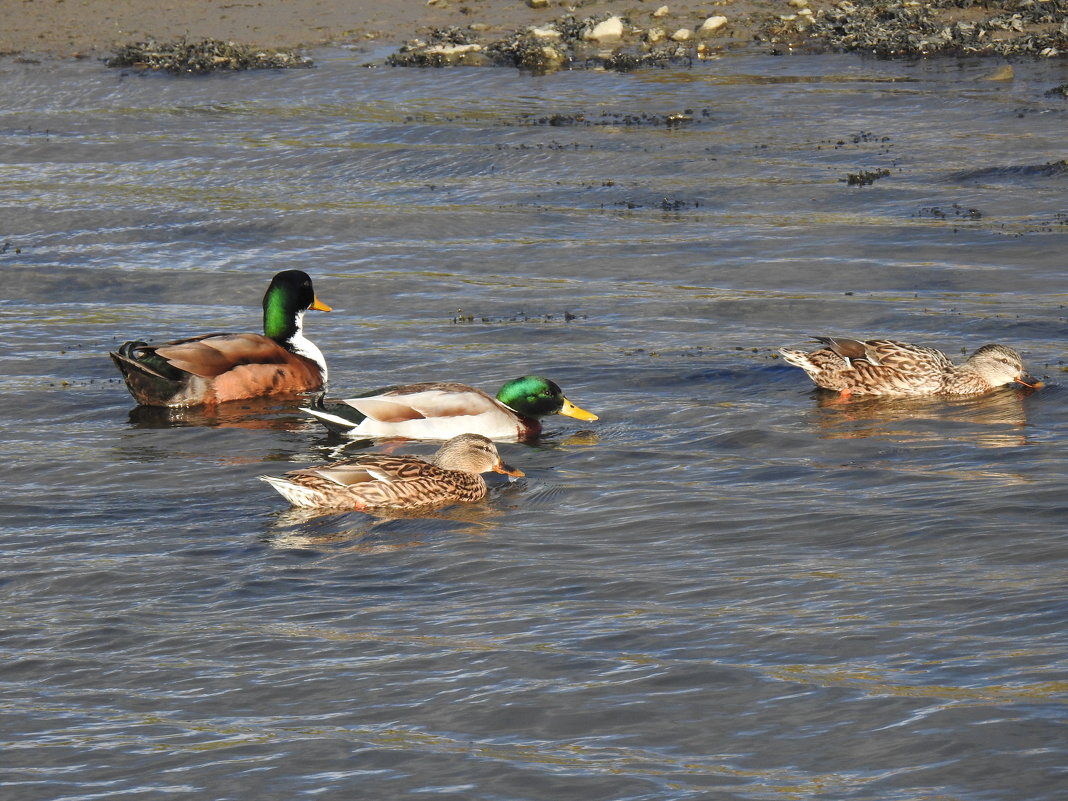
728,587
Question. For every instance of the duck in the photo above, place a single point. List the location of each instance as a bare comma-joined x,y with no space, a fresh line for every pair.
391,483
889,368
441,410
214,368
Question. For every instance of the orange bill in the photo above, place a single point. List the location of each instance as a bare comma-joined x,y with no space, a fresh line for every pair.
318,305
508,470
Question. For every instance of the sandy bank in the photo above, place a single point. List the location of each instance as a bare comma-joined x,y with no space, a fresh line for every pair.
88,28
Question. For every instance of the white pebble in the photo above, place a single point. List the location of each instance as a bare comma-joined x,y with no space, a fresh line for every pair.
454,50
663,11
712,24
545,33
682,35
609,30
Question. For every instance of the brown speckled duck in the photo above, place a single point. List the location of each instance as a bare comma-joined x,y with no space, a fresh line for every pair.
382,483
214,368
885,367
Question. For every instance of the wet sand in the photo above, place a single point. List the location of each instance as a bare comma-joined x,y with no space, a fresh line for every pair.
64,29
56,28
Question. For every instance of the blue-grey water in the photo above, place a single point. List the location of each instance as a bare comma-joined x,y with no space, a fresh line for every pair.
727,588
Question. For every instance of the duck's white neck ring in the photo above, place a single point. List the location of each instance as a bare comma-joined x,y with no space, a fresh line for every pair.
302,346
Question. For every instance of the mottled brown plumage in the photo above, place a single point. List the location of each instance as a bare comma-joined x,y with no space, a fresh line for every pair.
885,367
378,482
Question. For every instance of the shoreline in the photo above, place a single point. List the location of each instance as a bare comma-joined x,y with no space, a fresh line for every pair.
54,29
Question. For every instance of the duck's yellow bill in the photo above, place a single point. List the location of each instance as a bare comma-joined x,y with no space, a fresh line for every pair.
571,410
318,305
1029,382
508,470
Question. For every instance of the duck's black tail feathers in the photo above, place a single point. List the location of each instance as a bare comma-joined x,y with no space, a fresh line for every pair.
337,417
151,379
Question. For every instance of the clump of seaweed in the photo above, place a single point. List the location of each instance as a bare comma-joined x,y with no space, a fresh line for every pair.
895,28
611,118
465,318
560,44
865,177
443,47
956,211
1051,169
209,55
538,51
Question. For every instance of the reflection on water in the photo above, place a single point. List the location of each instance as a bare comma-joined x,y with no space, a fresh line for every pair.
333,447
995,420
275,413
311,528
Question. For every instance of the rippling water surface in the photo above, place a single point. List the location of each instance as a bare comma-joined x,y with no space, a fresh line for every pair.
728,587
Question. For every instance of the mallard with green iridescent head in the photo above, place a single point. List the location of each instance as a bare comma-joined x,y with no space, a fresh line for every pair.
214,368
443,410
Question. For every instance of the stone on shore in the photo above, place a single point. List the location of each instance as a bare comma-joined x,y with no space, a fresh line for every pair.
712,25
451,51
609,30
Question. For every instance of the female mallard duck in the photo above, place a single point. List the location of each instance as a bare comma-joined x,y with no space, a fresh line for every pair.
440,411
397,483
883,367
222,367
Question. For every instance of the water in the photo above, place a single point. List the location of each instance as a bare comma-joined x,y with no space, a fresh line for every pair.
726,588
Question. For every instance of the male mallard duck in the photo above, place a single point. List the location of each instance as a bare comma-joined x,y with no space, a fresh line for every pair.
398,483
222,367
443,410
884,367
